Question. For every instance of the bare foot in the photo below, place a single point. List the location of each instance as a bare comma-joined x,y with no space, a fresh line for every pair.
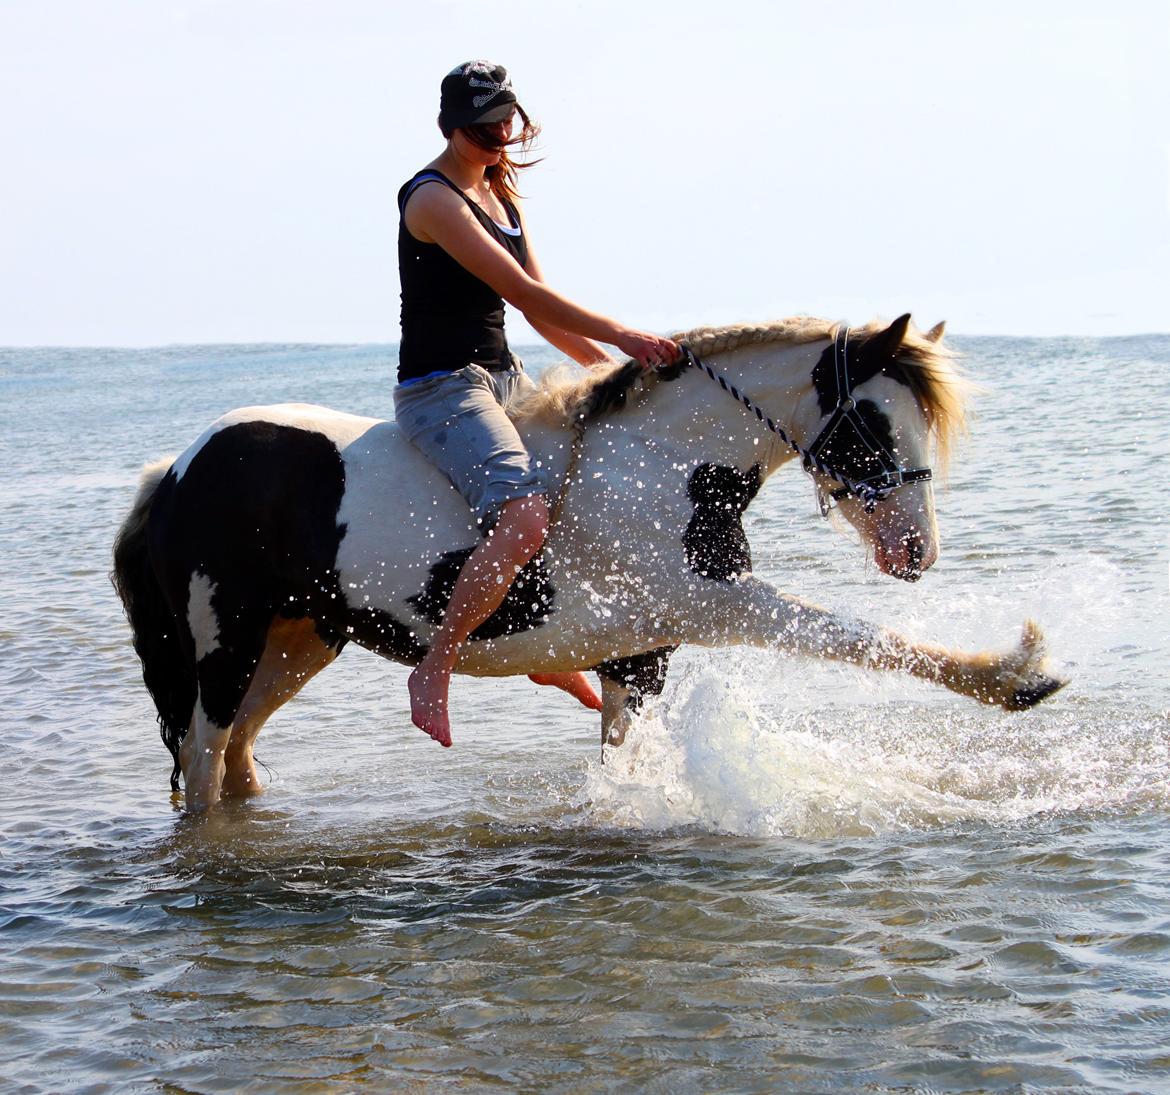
576,684
428,704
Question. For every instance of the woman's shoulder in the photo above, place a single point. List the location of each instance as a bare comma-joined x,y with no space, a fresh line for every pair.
435,209
420,179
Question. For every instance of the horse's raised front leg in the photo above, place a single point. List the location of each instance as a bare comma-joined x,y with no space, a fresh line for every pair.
625,684
749,611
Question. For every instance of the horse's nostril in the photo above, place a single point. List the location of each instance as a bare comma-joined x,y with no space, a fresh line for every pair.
914,551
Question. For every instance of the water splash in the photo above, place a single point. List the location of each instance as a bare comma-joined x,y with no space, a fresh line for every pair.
716,754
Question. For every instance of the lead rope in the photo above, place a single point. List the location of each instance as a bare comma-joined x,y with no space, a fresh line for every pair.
865,492
868,491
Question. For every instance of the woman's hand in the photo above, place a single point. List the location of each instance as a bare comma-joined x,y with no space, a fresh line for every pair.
650,350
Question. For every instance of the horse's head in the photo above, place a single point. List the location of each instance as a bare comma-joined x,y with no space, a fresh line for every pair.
888,402
874,407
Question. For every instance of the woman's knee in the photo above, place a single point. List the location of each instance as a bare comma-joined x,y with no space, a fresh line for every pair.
523,524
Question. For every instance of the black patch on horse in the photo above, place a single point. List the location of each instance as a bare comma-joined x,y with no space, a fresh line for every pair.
715,543
868,355
256,513
377,630
527,604
849,454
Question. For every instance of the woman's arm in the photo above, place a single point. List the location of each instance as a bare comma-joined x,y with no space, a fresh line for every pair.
435,214
582,350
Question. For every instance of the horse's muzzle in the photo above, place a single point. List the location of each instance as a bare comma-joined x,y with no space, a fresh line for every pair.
909,560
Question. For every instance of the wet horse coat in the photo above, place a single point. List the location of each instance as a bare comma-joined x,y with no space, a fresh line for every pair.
285,532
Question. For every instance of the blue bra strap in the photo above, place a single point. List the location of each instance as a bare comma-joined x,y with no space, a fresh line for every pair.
425,177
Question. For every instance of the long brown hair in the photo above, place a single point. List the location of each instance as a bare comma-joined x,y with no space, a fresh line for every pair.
502,177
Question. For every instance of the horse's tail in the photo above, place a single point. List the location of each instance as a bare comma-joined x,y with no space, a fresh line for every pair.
167,669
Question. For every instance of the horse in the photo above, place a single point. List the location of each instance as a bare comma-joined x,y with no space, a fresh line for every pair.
285,532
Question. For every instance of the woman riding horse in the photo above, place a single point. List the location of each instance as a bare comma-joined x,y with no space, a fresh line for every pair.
284,533
463,249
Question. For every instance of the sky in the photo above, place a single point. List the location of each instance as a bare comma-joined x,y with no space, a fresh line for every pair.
194,171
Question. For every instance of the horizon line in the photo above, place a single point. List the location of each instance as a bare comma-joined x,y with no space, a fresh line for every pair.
518,345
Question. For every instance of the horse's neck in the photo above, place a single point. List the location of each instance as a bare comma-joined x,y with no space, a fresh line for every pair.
698,415
690,421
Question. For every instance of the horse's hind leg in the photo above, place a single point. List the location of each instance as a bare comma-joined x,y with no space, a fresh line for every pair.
228,627
294,653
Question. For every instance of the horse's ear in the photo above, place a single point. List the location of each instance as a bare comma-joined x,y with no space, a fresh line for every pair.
936,332
885,344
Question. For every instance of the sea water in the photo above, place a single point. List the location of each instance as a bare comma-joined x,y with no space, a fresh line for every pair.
793,876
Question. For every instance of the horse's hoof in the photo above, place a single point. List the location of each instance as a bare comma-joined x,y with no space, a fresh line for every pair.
1037,683
1023,698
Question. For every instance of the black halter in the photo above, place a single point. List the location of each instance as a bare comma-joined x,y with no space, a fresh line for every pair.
874,488
868,491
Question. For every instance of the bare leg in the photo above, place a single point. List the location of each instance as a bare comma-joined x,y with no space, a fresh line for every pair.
483,583
576,684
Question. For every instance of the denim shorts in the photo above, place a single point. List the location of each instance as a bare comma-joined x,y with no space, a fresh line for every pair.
459,421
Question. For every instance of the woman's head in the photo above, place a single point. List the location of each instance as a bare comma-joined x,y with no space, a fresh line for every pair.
478,102
475,93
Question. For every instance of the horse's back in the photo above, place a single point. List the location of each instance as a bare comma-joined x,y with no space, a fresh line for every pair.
339,427
298,488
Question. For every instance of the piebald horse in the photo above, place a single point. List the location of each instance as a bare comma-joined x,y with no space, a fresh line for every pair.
284,532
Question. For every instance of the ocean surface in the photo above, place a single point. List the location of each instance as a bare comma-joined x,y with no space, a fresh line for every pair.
793,877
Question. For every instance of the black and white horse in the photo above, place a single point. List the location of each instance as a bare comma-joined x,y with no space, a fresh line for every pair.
285,532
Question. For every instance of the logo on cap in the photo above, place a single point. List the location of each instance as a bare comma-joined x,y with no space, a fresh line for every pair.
479,74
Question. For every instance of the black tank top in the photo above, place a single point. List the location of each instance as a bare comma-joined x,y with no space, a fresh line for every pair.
450,318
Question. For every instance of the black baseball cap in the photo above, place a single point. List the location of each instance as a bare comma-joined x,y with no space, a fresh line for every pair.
475,93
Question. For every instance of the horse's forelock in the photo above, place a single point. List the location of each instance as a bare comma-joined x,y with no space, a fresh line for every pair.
941,390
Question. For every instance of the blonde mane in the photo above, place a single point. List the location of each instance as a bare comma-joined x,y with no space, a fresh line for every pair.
564,396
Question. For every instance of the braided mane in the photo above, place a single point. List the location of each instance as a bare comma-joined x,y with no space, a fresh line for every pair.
564,396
